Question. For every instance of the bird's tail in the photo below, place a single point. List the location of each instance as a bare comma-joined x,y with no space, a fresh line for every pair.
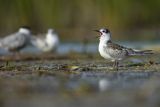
141,52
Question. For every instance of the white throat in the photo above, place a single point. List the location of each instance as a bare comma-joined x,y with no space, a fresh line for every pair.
105,37
24,31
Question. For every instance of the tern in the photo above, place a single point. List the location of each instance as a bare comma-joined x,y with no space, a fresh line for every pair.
115,52
47,44
16,41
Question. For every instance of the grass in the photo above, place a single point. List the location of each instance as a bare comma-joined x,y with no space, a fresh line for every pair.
77,18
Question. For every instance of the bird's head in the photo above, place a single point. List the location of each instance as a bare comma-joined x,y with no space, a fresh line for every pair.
25,30
104,34
50,30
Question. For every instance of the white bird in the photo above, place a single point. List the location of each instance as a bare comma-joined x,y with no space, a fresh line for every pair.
115,52
48,44
16,41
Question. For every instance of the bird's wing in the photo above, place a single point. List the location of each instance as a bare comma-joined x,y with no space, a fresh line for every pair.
116,51
15,40
38,42
140,52
121,50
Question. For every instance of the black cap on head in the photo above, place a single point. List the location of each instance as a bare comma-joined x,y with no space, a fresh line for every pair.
104,30
26,27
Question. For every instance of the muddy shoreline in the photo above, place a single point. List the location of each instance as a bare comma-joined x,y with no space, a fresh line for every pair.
78,80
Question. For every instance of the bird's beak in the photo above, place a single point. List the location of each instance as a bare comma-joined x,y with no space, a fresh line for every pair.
96,31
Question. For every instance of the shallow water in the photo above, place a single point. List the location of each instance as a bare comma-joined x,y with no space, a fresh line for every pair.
65,48
72,82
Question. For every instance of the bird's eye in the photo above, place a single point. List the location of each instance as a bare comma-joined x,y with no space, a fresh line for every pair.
103,31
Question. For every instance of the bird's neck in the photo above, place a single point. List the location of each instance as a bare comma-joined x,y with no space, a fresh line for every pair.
105,38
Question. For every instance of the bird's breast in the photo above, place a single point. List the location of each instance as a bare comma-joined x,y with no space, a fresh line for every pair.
102,52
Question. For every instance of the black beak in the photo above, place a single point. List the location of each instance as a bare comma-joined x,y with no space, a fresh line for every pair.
96,30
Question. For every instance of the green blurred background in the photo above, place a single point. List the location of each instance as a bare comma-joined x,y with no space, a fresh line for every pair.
75,19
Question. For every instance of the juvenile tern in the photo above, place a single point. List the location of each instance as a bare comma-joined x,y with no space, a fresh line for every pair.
115,52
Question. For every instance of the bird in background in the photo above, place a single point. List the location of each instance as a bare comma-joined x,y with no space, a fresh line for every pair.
16,41
115,52
49,43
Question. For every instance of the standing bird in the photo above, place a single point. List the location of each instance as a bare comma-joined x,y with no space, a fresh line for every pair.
47,44
115,52
16,41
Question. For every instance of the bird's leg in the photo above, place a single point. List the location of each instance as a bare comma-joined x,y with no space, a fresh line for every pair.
7,63
116,65
17,54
